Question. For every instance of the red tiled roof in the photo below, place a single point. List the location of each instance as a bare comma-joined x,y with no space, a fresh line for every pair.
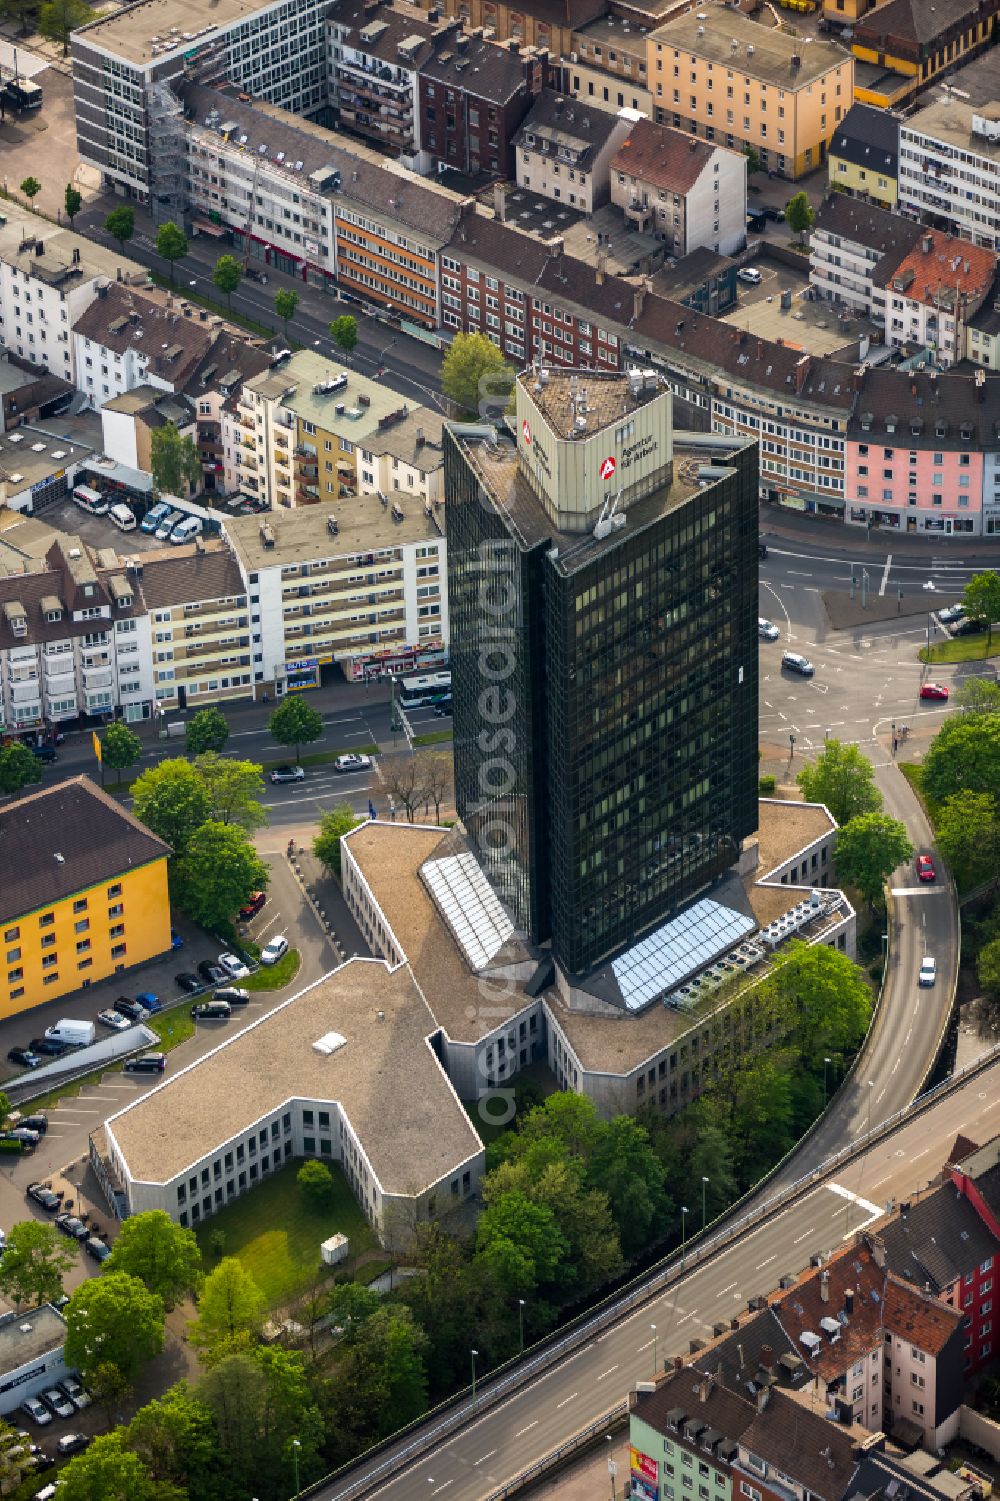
800,1309
925,1321
948,266
665,157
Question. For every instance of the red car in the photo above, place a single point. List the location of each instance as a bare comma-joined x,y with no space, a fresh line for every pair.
925,868
933,690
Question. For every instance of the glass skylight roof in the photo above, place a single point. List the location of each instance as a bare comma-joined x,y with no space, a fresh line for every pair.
469,906
668,956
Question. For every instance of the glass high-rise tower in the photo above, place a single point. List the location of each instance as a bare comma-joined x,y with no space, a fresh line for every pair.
603,601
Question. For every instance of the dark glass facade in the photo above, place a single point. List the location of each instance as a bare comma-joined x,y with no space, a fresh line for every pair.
630,726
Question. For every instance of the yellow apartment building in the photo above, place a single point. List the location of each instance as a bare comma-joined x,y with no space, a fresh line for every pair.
902,46
83,895
863,156
739,83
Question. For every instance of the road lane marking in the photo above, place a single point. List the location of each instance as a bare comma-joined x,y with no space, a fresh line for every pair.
845,1193
608,1372
484,1458
726,1290
521,1431
885,575
566,1399
441,1488
646,1345
766,1263
927,890
804,1236
687,1316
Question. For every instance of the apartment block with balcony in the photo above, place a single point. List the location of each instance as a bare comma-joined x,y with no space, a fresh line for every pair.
688,193
949,167
926,298
126,339
741,84
473,95
360,583
374,52
74,641
850,244
564,149
200,626
84,894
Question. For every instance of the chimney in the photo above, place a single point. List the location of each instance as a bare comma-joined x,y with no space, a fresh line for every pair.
824,1285
849,1301
678,1362
763,1397
704,1387
500,202
558,105
878,1252
802,373
421,440
556,247
734,1323
638,298
767,1358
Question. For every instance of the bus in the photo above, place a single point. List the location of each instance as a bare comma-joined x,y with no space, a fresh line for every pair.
418,693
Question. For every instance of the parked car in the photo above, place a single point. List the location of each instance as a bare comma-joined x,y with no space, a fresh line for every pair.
776,215
72,1443
443,711
233,967
131,1009
23,1057
275,950
233,995
750,275
352,763
928,972
950,613
253,906
73,1386
167,525
36,1411
41,1461
187,981
154,516
97,1249
149,1002
37,1122
45,752
68,1224
933,690
60,1404
968,627
28,1139
287,774
767,630
212,973
50,1046
42,1196
176,941
796,663
212,1011
115,1020
145,1063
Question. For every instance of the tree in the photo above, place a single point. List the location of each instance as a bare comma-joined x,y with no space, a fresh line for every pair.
403,779
162,1254
172,800
208,730
20,10
31,188
230,1304
227,275
625,1168
344,333
869,849
350,1307
109,1387
799,214
988,969
260,1400
964,756
968,836
4,1109
842,778
18,767
981,598
519,1240
316,1182
979,696
57,19
285,303
120,747
760,1117
16,1461
113,1318
333,825
174,459
235,789
382,1380
73,198
174,1437
471,360
120,224
171,244
827,1003
217,874
34,1264
435,773
753,160
107,1471
295,722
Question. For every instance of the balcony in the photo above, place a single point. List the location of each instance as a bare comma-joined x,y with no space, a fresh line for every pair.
26,692
96,677
638,213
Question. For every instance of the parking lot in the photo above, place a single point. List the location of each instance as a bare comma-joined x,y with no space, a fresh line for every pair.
98,531
814,326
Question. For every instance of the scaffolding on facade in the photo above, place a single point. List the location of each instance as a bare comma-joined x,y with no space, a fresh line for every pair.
167,155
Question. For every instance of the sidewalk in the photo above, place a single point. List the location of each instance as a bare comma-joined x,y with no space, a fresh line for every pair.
853,542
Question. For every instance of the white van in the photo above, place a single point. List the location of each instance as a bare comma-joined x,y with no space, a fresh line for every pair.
90,500
187,530
123,518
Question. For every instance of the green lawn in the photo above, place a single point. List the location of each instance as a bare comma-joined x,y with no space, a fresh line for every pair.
274,976
962,649
276,1234
435,737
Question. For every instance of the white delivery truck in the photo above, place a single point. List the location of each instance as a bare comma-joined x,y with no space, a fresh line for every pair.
73,1033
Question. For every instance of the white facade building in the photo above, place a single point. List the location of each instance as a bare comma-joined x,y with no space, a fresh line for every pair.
31,1355
686,192
949,167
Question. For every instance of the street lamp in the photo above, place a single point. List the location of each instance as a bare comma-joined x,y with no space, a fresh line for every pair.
685,1211
653,1327
826,1065
474,1353
871,1086
704,1186
612,1466
791,747
520,1323
296,1446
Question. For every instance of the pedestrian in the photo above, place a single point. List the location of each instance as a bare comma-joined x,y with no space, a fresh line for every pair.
263,698
895,744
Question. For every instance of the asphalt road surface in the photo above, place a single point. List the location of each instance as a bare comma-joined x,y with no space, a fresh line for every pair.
503,1441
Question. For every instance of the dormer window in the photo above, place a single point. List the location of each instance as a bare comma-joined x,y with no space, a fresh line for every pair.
53,615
